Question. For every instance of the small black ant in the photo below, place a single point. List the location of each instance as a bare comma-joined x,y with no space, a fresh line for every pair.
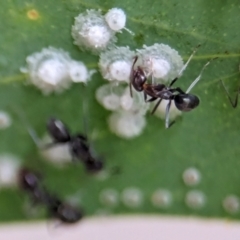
79,145
31,182
183,100
235,102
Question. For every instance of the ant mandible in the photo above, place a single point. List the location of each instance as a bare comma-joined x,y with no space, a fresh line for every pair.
30,182
79,145
183,100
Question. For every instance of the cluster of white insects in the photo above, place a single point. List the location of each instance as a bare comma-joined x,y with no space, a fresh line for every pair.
53,70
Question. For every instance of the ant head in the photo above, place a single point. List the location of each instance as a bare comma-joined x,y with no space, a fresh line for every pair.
68,214
138,76
186,102
58,130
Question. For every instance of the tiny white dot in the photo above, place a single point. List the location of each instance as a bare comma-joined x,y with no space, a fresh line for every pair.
109,197
191,176
161,198
5,120
9,168
195,199
231,204
132,197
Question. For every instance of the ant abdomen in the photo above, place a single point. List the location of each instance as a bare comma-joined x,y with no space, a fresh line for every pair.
186,102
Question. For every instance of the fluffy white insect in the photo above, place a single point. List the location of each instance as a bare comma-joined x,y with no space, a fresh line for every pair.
116,20
161,110
132,197
78,71
91,32
117,98
109,96
115,64
9,169
161,198
109,197
52,70
191,176
5,120
160,61
126,124
195,199
58,155
231,204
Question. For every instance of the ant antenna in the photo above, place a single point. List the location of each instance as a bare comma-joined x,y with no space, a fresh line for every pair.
28,126
198,78
131,76
185,66
233,103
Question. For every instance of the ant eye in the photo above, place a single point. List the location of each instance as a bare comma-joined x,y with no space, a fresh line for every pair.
52,70
160,61
91,32
116,63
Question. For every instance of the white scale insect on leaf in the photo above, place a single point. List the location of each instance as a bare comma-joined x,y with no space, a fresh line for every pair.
116,20
115,64
91,32
53,70
160,61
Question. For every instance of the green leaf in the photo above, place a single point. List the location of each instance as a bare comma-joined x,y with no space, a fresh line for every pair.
206,138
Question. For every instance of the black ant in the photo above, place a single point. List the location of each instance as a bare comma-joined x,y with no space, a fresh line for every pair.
79,145
183,100
235,102
31,182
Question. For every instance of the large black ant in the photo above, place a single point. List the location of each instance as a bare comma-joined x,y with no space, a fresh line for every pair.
183,100
78,144
31,182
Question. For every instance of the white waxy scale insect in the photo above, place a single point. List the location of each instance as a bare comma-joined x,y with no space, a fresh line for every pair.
160,61
195,199
115,64
231,204
161,198
53,70
126,124
116,20
109,197
9,170
191,176
132,197
91,32
5,120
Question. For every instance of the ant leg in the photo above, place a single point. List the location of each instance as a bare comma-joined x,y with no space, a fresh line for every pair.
156,106
167,116
185,66
131,75
198,78
233,103
151,99
28,126
179,90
